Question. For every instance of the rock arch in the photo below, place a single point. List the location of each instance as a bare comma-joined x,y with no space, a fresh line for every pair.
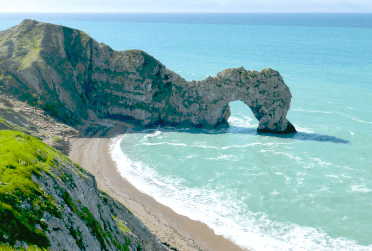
74,77
206,102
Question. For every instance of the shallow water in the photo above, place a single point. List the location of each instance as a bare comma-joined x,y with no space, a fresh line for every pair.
310,191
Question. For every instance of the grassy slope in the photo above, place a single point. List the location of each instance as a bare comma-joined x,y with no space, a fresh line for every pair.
4,247
22,202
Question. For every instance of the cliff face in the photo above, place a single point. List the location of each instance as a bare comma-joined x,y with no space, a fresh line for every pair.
48,201
72,76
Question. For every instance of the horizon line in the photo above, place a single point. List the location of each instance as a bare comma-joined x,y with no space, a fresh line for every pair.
182,12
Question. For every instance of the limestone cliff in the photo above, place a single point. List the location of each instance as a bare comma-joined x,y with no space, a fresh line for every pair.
48,201
71,75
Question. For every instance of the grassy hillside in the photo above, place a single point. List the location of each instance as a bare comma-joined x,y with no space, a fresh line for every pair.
22,202
48,202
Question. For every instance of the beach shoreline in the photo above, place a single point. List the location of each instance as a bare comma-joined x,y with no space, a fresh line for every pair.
178,232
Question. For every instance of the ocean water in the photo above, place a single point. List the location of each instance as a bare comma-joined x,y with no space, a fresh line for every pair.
309,191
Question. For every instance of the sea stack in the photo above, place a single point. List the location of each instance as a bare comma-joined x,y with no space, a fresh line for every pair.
69,74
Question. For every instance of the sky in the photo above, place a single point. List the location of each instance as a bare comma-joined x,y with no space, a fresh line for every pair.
249,6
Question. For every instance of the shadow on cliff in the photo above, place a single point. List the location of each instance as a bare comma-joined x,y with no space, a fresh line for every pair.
303,136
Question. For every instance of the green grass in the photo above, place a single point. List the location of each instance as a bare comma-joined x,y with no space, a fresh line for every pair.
6,77
21,156
4,38
30,41
4,247
31,56
57,139
94,226
84,36
121,225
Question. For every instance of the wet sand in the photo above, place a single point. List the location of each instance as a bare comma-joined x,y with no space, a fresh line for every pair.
177,231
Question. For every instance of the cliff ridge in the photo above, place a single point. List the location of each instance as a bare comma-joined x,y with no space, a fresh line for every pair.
69,74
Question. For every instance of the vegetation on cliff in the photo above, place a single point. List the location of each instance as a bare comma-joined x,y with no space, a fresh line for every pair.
49,202
23,202
73,77
46,200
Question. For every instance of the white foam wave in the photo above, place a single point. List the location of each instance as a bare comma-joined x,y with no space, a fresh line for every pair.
360,189
274,192
289,155
322,163
163,143
191,156
304,129
201,145
322,189
301,110
152,135
345,176
225,157
362,121
240,120
225,215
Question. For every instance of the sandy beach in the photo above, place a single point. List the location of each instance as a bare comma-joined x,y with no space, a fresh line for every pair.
177,231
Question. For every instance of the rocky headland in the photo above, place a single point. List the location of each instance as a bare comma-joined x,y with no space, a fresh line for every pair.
69,74
57,84
87,144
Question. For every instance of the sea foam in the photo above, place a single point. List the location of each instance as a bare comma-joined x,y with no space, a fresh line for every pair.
226,216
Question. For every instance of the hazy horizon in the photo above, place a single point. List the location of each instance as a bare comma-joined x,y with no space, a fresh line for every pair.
186,12
189,6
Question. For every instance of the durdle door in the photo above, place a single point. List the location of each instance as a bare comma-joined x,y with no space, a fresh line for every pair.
71,75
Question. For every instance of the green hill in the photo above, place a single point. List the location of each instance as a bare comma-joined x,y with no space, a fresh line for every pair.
48,201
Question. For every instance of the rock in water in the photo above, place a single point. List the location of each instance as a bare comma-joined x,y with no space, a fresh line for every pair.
74,77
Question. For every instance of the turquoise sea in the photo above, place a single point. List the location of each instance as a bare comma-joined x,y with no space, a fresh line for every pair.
310,191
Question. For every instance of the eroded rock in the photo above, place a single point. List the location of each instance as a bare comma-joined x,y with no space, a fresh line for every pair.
71,75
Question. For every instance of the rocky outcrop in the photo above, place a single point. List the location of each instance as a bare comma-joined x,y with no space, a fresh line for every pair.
72,76
48,201
20,116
